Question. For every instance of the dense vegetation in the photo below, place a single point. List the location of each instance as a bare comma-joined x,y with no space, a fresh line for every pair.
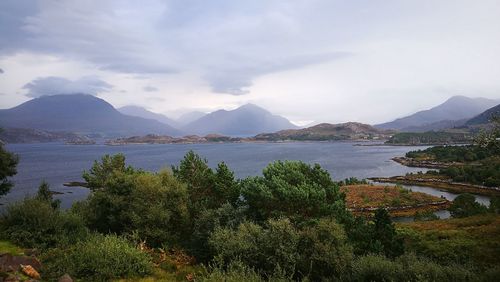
8,163
290,224
476,164
429,138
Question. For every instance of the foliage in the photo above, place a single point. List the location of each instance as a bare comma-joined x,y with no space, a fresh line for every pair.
206,222
152,205
467,153
236,271
406,268
99,258
44,194
465,205
425,216
97,176
472,240
34,223
207,189
8,163
319,251
293,189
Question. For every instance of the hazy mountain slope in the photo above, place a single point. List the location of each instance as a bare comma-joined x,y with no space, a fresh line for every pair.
244,121
137,111
328,132
455,108
79,113
439,125
484,117
189,117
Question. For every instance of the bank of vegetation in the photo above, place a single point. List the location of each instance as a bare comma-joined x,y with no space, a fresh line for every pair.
196,223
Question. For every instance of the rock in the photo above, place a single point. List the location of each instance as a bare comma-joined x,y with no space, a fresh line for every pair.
9,262
30,271
65,278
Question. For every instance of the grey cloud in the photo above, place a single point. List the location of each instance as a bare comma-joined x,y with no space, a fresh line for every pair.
1,71
57,85
150,88
236,81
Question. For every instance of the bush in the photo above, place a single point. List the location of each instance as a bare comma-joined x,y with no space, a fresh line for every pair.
318,251
154,206
465,205
34,223
407,268
99,258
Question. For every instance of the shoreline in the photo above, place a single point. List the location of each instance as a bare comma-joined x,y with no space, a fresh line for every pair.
447,185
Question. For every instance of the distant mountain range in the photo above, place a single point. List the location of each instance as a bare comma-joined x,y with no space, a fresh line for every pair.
79,113
454,112
137,111
246,120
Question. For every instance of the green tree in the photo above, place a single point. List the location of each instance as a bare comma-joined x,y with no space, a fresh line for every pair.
293,189
152,206
207,189
465,205
101,171
44,194
385,233
8,163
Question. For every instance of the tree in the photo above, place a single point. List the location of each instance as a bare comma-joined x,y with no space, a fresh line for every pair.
44,194
207,189
8,163
101,171
385,233
293,189
465,205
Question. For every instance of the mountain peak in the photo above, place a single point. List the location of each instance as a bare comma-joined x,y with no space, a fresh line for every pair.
454,109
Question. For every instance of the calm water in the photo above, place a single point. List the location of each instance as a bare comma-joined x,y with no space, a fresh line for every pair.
60,163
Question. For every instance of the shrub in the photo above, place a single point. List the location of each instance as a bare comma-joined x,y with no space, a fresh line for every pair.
99,258
34,223
407,268
465,205
154,206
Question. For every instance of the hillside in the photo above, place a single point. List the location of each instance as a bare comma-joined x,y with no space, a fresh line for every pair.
79,113
137,111
328,132
485,117
246,120
454,109
24,135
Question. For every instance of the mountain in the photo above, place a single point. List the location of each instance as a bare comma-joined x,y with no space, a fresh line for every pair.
484,117
137,111
246,120
79,113
455,108
436,126
189,117
328,132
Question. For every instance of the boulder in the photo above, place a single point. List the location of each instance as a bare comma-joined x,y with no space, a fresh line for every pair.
65,278
12,263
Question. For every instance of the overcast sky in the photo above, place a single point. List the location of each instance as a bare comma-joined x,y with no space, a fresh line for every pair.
310,61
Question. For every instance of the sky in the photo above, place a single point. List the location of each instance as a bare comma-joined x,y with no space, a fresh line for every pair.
310,61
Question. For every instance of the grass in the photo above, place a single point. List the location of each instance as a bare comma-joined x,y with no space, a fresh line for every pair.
473,239
9,248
